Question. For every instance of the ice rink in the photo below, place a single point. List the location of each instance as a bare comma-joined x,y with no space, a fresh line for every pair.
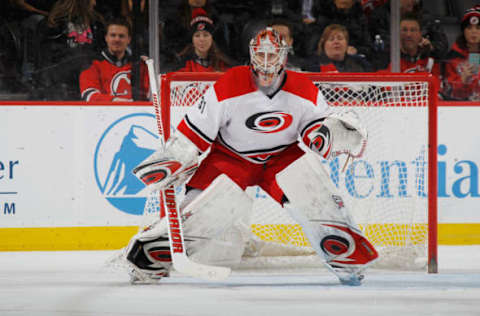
80,283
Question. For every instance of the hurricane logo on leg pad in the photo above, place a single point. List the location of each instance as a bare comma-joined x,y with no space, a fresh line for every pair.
334,245
269,122
158,251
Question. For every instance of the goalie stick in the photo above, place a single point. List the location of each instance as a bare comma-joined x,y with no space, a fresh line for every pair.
168,204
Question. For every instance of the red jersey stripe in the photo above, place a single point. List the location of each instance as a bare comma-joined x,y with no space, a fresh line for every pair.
193,136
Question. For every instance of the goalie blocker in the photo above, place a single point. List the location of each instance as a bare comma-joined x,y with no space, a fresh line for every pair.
169,166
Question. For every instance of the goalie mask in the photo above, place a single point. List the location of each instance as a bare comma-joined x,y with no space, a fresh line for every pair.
268,56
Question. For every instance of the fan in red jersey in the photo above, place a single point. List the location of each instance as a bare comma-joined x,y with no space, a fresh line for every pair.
109,76
248,125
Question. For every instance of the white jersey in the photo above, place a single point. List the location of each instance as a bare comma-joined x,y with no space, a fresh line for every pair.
249,123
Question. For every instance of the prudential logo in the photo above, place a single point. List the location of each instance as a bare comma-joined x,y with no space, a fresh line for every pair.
123,145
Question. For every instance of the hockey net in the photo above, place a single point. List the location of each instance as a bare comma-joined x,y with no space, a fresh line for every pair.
391,190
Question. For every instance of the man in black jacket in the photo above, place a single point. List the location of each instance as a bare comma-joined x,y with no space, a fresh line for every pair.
434,37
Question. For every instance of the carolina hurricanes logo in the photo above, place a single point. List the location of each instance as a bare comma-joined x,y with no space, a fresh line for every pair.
158,251
317,137
161,171
349,249
317,143
161,254
269,122
121,84
334,245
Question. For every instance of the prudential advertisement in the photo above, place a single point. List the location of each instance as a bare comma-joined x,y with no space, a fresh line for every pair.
63,166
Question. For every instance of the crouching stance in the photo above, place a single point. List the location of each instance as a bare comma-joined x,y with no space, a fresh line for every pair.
251,120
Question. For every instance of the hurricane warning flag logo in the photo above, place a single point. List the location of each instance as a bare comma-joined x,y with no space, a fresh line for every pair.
124,145
269,122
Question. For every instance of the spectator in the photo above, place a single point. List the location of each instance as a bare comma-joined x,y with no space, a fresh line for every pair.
350,14
462,81
332,53
432,31
19,24
109,76
416,51
294,62
71,36
203,54
177,27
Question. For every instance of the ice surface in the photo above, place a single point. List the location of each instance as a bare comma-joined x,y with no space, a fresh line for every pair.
79,283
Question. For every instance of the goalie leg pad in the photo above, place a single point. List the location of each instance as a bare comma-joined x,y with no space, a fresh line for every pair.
151,260
216,229
148,254
218,222
324,217
346,246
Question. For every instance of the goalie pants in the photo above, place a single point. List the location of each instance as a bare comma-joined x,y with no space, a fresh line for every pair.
245,173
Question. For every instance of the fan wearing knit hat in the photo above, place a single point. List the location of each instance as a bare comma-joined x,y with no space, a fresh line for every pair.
203,54
201,22
463,61
471,17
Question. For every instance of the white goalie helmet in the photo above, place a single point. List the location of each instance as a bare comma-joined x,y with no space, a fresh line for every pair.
268,56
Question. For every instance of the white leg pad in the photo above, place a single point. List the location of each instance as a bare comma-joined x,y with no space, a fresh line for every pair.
324,217
218,223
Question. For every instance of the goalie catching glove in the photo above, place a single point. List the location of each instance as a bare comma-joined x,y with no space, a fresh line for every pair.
340,133
170,166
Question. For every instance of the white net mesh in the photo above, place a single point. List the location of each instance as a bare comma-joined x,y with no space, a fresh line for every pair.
386,189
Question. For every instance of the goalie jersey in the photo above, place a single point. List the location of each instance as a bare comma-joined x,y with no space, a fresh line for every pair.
249,123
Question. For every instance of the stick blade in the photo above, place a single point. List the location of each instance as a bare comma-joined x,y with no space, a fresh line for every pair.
182,264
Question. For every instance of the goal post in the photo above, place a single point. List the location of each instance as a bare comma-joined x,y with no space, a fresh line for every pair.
392,190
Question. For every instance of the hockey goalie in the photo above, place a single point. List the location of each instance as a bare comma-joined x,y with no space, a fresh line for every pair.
251,121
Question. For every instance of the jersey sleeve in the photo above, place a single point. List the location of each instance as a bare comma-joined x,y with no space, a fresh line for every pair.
203,120
313,117
91,86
